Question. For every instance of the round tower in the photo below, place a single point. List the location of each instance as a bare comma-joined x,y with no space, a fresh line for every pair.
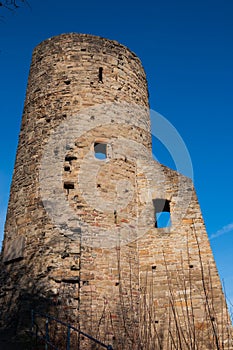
73,188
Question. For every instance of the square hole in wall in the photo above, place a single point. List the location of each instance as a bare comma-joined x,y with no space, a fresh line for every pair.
162,212
100,150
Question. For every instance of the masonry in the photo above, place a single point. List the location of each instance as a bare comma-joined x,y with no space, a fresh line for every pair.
83,236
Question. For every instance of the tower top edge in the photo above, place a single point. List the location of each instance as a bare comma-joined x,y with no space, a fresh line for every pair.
85,38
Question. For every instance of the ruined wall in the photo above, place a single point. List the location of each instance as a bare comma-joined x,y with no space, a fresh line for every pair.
80,237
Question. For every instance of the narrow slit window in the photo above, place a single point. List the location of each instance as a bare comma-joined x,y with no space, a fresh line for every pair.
162,213
100,74
100,150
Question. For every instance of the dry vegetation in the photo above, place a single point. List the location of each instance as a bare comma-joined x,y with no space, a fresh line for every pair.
138,328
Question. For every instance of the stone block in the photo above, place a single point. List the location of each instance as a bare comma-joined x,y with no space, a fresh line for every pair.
14,250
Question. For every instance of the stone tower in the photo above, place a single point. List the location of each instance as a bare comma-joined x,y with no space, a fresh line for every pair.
83,240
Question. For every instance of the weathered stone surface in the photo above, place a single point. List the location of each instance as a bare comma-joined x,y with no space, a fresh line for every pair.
99,261
14,249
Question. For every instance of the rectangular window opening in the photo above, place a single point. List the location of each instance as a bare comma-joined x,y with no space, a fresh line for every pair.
69,158
162,213
100,150
68,185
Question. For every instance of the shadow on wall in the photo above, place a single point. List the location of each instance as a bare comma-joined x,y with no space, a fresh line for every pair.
140,325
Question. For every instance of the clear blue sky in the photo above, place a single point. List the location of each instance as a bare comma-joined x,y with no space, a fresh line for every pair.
186,48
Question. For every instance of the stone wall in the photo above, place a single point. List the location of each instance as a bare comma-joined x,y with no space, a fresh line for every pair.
81,238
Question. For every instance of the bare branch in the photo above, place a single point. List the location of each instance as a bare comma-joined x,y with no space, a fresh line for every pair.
12,5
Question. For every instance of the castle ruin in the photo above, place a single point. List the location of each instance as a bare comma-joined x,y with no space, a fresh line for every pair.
83,240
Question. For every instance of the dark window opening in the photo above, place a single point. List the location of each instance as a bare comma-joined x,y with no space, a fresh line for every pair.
115,216
68,185
66,168
100,150
72,280
162,213
100,74
67,82
69,158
